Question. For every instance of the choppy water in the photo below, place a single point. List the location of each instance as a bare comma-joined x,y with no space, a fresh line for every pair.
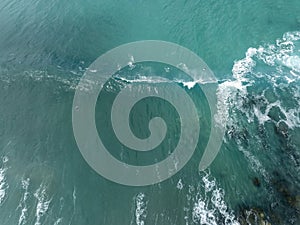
253,47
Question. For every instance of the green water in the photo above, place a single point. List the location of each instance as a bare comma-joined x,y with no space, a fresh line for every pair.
253,48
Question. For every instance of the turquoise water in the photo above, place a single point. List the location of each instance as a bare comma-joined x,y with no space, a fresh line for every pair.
253,48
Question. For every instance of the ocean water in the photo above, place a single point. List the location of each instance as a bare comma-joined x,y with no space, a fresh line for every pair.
253,48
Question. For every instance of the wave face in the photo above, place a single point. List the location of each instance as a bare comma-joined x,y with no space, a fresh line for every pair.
253,47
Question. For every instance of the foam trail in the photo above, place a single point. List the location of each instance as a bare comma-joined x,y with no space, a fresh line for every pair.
3,180
211,208
23,203
42,204
141,209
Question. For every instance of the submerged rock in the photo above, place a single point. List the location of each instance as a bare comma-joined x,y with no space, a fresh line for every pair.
256,182
290,197
282,187
253,216
282,129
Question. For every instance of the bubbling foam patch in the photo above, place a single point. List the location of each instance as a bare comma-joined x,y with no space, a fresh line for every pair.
23,202
211,209
278,67
264,90
140,209
3,180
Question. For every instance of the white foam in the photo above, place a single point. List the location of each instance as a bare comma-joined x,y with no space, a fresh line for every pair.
282,62
131,62
179,184
203,215
227,91
281,53
189,84
3,180
262,117
43,202
293,62
74,196
244,66
141,209
144,79
231,94
58,221
210,210
23,202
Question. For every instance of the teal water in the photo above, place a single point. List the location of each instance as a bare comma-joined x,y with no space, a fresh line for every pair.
253,48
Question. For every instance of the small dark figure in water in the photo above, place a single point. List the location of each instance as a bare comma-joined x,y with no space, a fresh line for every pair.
256,182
